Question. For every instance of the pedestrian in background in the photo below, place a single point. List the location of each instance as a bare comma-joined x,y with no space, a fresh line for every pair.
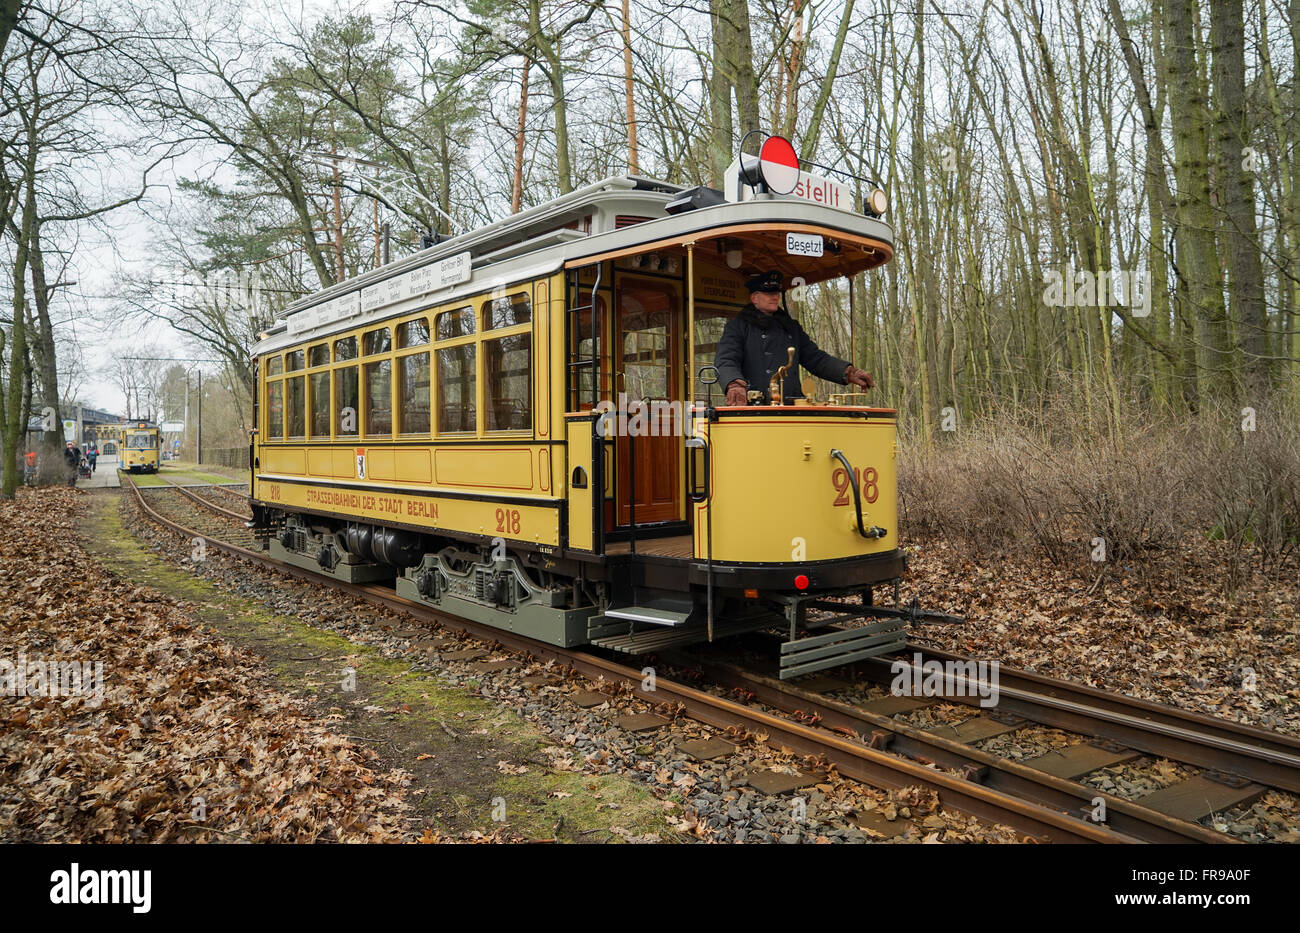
72,460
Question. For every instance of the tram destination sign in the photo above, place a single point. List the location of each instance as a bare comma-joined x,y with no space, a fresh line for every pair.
336,309
431,278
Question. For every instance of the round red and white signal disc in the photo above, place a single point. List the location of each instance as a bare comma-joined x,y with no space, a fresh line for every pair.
779,165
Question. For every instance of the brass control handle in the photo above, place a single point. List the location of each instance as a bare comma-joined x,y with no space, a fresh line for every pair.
778,379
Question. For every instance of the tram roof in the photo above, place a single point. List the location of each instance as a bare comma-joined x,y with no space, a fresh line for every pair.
614,217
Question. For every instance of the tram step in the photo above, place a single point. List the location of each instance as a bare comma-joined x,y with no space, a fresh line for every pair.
661,638
659,612
656,639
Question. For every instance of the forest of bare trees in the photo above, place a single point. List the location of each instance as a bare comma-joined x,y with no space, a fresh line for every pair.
1095,200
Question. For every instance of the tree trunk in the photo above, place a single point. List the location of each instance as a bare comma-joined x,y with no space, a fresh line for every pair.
742,63
444,179
828,83
1237,188
720,140
561,107
51,454
1198,255
925,312
548,47
11,427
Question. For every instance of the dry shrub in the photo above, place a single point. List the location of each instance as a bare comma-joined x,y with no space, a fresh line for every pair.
1050,485
1250,493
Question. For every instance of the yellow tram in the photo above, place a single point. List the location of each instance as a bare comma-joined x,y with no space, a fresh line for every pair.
518,426
141,447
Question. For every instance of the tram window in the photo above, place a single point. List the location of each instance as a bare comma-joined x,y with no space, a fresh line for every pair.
296,393
377,341
275,409
345,348
320,404
456,389
507,375
507,312
294,361
709,324
346,400
318,355
274,366
413,375
379,397
584,343
413,333
458,323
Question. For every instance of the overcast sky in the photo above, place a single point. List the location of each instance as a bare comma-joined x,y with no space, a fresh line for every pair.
103,258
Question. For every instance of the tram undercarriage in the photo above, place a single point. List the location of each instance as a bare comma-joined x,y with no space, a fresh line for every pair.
632,603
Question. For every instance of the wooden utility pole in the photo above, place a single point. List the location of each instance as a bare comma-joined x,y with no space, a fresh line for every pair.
793,68
338,202
517,189
633,166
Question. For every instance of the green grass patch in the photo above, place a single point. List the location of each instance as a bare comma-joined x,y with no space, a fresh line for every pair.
227,474
169,472
588,805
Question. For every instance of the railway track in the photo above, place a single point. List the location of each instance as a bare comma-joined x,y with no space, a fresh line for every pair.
209,521
869,745
1223,746
231,491
1243,768
192,493
223,496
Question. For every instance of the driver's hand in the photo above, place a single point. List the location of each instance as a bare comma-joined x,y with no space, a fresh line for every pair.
859,377
736,393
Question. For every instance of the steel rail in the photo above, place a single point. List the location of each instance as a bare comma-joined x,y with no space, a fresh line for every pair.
207,504
1268,758
1002,774
850,758
223,487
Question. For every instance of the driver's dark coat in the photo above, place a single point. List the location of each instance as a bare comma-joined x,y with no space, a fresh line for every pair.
753,347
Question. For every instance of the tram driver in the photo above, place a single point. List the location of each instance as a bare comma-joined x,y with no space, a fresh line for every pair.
753,347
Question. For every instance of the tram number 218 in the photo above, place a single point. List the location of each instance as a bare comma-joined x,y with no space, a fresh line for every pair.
866,480
508,521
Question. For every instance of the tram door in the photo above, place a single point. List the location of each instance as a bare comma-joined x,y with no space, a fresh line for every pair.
647,341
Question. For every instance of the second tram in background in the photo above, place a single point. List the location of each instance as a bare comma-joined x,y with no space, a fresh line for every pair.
141,447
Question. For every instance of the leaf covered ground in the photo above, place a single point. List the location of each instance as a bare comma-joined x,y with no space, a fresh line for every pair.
188,742
1168,630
